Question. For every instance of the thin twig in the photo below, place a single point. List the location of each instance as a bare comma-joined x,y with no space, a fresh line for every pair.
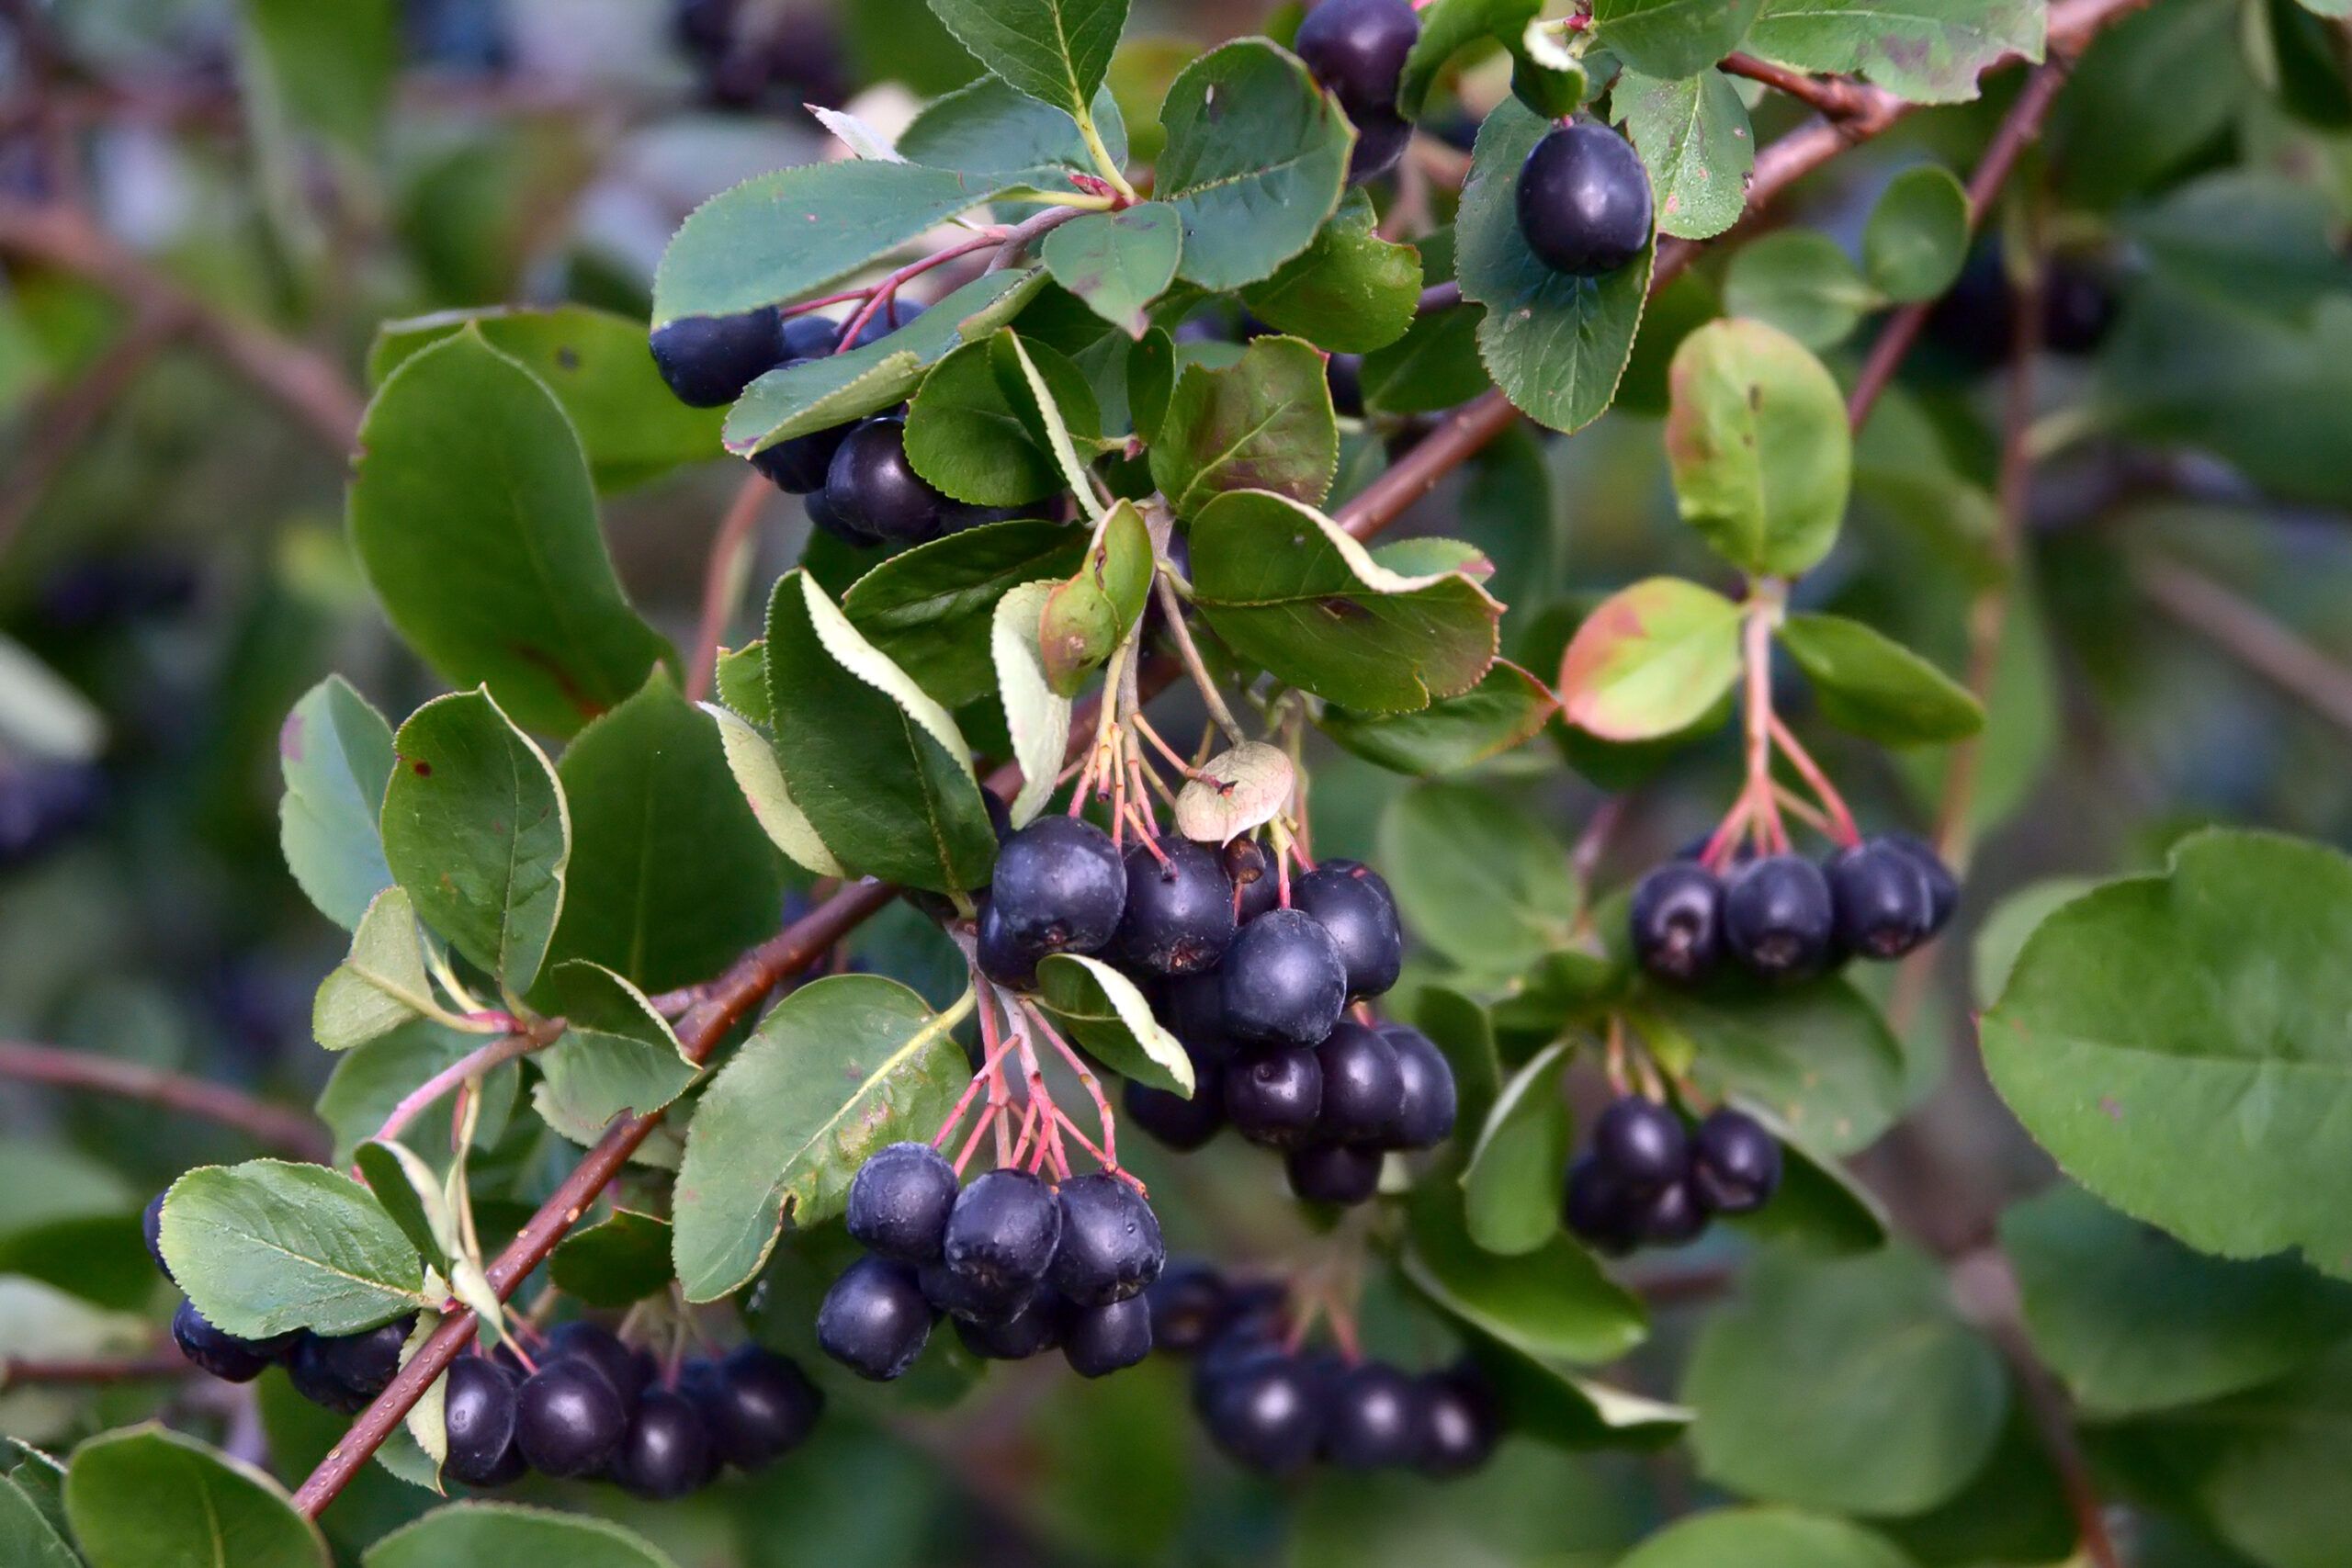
722,578
282,1127
1172,612
2249,633
65,420
1831,96
17,1371
473,1063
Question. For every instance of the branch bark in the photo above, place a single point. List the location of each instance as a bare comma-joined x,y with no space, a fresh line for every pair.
18,1371
292,1132
2250,634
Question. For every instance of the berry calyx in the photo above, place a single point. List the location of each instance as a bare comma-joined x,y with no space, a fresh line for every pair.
1110,1247
1735,1163
899,1201
1179,914
1353,902
874,1320
1282,981
478,1420
873,489
1677,924
1060,887
1778,917
568,1419
1584,200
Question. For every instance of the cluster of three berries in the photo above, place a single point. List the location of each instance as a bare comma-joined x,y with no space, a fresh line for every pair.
1648,1180
1023,1267
1276,1411
1781,917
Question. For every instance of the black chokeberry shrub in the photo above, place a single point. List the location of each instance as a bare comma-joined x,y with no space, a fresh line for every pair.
1110,1247
1351,901
1172,1120
874,490
1584,200
1283,981
874,1320
568,1418
1778,919
1376,1419
224,1355
709,360
478,1418
1060,887
1003,1230
1179,914
1266,1412
1346,1174
1678,922
1356,49
1363,1089
1459,1422
899,1200
666,1452
1031,1329
759,1405
1881,901
1100,1340
1426,1118
1641,1143
1190,1306
1735,1163
1275,1097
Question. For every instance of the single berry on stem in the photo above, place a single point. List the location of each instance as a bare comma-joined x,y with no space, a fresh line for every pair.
1376,1419
1880,895
224,1355
1459,1422
1345,1174
1426,1119
872,489
1266,1413
1110,1246
1641,1143
1189,1307
1356,49
479,1411
1364,1088
1172,1120
568,1419
1584,200
1353,902
666,1452
1004,1230
1179,914
1031,1329
1283,981
759,1405
709,360
1060,887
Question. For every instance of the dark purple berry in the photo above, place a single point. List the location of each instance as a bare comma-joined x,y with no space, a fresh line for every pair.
899,1200
971,1301
1735,1163
1672,1216
874,490
1110,1246
1381,140
1275,1097
1100,1340
1189,1307
799,465
1778,919
1363,1089
1944,888
568,1419
1377,1420
874,1320
666,1452
1345,374
1642,1144
151,1226
1345,1174
224,1355
1459,1422
1002,956
1880,897
1059,887
1356,49
598,1348
1256,888
1003,1232
1426,1119
1181,1124
1282,980
1600,1210
1678,922
709,360
1584,200
759,1405
1351,901
1266,1413
478,1418
1031,1329
1179,913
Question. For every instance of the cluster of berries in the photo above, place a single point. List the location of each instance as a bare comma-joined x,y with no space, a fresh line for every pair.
1272,1408
1356,49
1782,917
1647,1181
1254,988
1023,1267
42,802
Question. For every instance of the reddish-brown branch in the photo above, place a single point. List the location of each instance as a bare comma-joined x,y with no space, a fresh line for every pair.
65,419
1831,96
2251,635
293,1132
723,578
18,1371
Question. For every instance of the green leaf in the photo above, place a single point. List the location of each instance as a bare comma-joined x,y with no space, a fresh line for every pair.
1084,620
987,128
411,1195
1652,659
617,1056
1817,1056
268,1246
1265,423
1876,687
1553,1305
1695,139
1285,585
1350,291
818,394
615,1263
2003,933
1507,708
1101,1010
370,1079
1764,1537
1555,1404
931,608
145,1497
40,1322
796,233
1118,262
1036,715
381,985
1917,236
838,1069
475,829
1510,1193
1449,27
1820,1207
1475,877
632,426
1240,789
1802,282
329,72
968,431
1433,368
2132,1321
1554,343
751,758
71,1221
1930,52
1035,402
474,1535
2176,1041
27,1537
1054,50
742,680
1256,159
1672,39
472,510
878,767
1758,441
335,751
670,876
1850,1386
